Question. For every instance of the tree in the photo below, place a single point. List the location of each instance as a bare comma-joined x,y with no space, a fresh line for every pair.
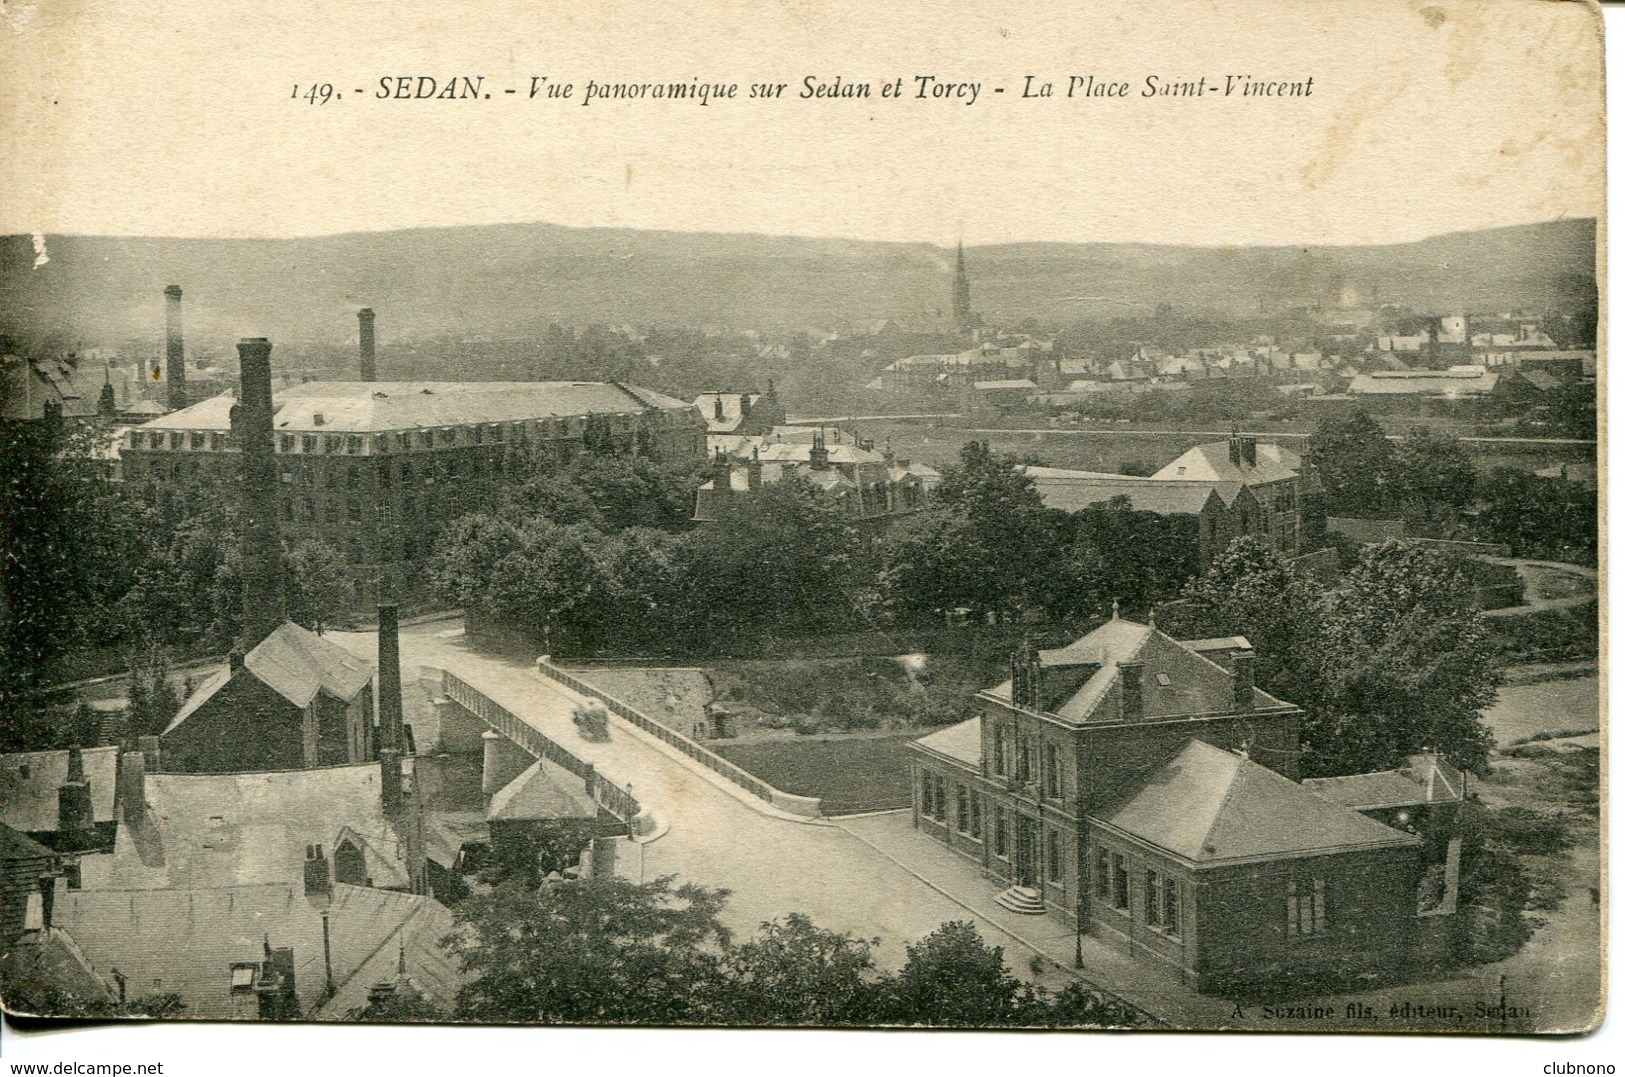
591,951
1248,590
796,973
1551,519
320,589
153,699
953,978
1408,666
1434,470
1356,465
987,543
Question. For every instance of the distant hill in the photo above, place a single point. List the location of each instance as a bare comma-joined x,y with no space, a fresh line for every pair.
510,281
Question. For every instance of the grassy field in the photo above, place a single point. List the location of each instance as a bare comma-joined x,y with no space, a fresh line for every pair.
851,774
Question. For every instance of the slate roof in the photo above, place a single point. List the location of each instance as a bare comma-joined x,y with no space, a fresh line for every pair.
543,790
30,804
294,662
353,407
1195,684
1208,806
1423,780
962,742
208,830
1211,462
1072,491
186,941
15,845
732,413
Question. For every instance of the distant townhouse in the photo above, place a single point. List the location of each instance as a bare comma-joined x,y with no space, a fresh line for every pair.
1275,476
865,483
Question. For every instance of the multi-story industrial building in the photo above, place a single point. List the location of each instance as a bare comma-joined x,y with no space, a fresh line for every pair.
374,469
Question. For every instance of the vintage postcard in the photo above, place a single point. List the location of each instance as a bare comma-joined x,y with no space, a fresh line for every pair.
804,515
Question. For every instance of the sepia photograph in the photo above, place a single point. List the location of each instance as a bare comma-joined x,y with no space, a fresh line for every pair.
802,517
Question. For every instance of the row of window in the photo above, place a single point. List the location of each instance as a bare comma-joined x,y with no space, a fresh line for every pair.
1048,758
1159,893
967,819
339,443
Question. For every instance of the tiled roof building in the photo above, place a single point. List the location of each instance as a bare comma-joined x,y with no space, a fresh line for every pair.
1145,789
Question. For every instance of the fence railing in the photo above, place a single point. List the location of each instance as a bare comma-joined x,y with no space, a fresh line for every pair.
605,793
790,802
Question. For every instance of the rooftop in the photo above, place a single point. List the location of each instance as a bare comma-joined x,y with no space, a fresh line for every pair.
962,742
1212,463
29,782
186,941
1072,491
296,663
349,407
207,830
1423,780
1208,806
1175,680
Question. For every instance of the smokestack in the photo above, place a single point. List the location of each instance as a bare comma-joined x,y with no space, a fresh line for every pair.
369,356
389,678
389,770
175,351
263,608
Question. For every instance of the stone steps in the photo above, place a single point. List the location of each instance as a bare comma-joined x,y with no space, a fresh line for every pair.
1022,899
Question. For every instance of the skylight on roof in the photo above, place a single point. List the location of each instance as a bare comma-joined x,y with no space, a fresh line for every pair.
1162,679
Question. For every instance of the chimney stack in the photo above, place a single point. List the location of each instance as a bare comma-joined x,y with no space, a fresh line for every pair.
318,878
263,606
174,349
369,355
389,770
1131,674
76,817
132,786
390,711
1241,668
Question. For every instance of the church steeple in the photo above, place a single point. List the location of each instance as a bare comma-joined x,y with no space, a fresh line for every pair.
963,319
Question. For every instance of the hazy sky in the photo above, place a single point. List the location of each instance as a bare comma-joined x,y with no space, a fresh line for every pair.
177,119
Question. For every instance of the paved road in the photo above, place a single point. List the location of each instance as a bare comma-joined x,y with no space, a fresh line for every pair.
1532,573
772,863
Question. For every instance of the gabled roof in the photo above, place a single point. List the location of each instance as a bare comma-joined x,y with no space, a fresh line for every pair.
1174,679
295,663
298,663
1423,383
186,940
543,790
1211,462
733,412
1208,806
351,407
961,742
29,782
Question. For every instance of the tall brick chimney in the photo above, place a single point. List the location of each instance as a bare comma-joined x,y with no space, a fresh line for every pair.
76,818
263,607
369,355
174,349
391,736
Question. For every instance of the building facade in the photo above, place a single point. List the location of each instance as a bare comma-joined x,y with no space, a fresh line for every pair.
374,469
1145,791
